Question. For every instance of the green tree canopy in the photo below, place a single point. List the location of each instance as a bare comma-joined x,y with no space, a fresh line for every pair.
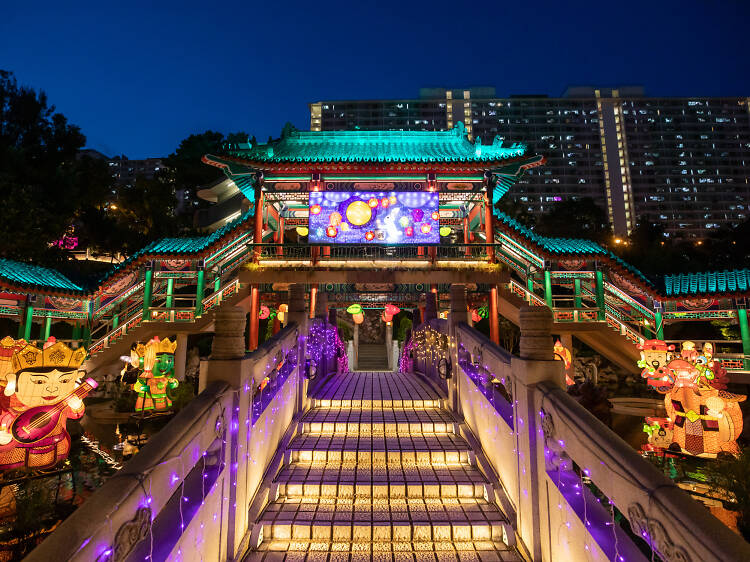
45,185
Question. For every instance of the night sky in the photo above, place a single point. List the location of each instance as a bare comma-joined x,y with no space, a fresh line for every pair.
138,79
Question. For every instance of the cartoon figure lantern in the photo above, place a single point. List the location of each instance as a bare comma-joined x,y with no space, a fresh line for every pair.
563,354
281,314
706,419
356,311
156,359
39,395
655,354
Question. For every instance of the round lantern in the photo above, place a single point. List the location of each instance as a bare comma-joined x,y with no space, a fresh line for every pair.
265,312
475,315
358,318
281,314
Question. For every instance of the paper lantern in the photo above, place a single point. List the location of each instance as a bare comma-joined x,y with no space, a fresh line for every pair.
445,230
386,317
391,310
281,314
358,318
264,313
302,231
475,315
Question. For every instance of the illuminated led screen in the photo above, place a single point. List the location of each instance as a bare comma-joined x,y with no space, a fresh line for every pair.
371,217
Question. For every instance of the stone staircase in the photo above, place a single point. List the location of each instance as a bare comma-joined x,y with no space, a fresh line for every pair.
378,471
372,357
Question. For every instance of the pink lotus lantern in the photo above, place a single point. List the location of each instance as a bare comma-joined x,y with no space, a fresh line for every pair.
265,312
475,315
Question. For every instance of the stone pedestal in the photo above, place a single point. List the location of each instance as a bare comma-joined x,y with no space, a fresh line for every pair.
228,348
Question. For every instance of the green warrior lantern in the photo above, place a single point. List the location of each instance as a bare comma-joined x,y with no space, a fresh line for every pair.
156,361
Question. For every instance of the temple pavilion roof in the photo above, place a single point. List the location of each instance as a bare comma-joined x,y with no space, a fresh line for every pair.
375,147
29,275
687,284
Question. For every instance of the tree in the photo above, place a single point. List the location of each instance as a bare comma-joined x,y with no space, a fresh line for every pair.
187,172
515,210
45,185
730,476
576,218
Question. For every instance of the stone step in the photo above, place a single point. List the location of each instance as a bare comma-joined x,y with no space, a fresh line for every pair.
383,420
414,448
365,520
411,551
380,480
376,403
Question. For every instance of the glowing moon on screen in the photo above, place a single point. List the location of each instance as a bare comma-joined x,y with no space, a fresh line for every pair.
358,213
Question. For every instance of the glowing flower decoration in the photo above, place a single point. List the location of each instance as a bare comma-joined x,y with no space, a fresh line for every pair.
302,231
475,315
264,313
358,213
369,235
392,309
417,215
409,231
384,202
373,202
332,231
445,231
392,199
435,216
426,228
344,227
404,221
316,209
335,218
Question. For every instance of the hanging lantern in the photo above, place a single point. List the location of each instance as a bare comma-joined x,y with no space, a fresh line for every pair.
264,313
356,311
281,314
391,310
386,317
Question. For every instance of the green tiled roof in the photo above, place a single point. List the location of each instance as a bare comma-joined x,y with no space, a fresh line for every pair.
737,280
376,146
570,246
26,274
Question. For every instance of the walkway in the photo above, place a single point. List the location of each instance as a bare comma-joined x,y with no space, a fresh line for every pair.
379,472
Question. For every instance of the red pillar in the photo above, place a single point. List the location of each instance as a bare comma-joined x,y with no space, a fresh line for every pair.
280,237
494,327
276,325
489,228
258,234
252,337
466,236
313,299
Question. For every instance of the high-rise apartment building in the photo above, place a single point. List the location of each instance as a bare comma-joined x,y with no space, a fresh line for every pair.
681,162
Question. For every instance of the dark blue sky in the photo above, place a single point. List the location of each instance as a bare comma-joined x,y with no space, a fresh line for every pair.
138,79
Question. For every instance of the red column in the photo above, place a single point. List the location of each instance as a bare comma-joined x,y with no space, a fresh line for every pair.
280,237
466,236
276,325
252,337
489,228
313,299
494,327
258,234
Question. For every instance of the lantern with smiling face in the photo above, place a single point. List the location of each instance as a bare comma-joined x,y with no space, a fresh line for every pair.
156,359
655,354
39,395
707,419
